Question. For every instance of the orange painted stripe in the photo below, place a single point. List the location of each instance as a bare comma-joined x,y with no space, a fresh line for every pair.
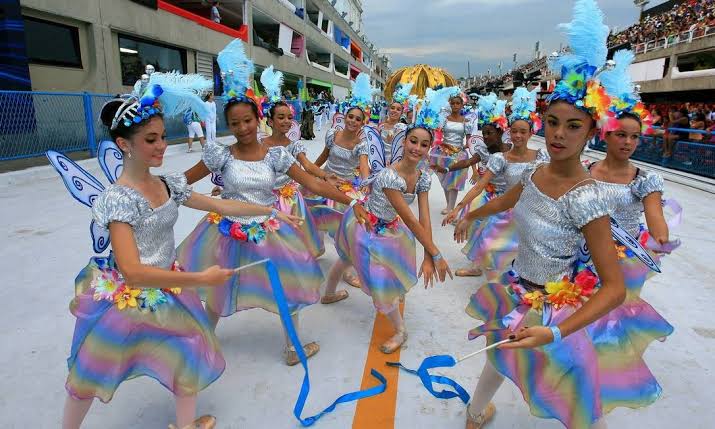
378,412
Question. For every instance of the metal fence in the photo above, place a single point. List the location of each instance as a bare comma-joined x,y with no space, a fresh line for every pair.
33,122
692,157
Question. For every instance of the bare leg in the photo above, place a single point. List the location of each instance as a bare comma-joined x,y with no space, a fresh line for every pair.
310,349
213,318
397,340
600,424
202,142
185,410
334,276
75,412
451,198
488,384
190,141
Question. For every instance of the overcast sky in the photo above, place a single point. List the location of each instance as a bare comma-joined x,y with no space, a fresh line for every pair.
448,33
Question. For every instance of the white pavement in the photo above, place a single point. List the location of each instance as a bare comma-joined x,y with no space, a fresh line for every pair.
46,242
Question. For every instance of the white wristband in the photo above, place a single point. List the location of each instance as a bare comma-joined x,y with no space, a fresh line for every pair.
352,203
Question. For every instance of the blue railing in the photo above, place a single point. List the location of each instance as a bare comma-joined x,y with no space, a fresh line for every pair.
33,122
692,157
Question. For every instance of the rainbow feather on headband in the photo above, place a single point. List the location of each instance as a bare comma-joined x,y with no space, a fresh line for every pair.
435,107
179,92
402,94
272,81
624,97
492,111
238,69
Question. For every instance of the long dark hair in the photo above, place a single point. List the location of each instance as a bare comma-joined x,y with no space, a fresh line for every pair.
109,111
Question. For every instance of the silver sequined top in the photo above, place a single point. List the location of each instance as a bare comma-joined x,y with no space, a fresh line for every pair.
153,228
388,134
550,230
248,181
507,174
294,148
626,201
378,204
453,133
343,162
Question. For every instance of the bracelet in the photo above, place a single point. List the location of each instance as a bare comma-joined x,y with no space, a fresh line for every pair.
352,203
274,213
437,257
557,333
449,169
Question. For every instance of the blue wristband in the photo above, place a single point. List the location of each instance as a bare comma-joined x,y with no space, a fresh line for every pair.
274,213
556,332
436,257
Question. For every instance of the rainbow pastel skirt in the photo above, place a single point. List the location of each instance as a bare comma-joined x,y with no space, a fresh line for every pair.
586,375
291,201
384,259
453,180
326,213
299,271
121,334
493,244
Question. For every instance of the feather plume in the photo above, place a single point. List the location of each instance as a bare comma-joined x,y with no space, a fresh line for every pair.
181,92
435,107
238,68
587,36
361,91
523,103
618,82
272,81
402,93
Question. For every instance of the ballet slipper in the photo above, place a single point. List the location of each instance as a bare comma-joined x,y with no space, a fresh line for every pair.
333,298
291,356
351,279
479,421
468,272
394,343
203,422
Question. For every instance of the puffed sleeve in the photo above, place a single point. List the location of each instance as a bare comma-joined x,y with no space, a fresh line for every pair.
389,179
424,183
496,163
646,183
468,127
280,159
330,138
362,148
585,204
298,147
179,187
542,155
529,171
215,156
481,149
118,204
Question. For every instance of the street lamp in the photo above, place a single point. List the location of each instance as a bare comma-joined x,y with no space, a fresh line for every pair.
641,4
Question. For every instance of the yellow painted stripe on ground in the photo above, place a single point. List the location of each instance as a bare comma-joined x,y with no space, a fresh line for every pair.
378,412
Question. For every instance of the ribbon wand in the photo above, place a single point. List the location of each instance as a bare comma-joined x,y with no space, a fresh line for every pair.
471,355
252,264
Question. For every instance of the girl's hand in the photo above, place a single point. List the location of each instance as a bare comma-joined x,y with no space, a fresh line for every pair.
461,231
427,270
294,221
332,179
215,275
528,338
660,238
216,191
442,269
451,216
362,216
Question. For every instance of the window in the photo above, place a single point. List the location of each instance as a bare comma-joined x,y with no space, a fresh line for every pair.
63,51
135,54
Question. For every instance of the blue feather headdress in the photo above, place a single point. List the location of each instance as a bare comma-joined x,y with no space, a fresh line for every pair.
492,111
523,107
361,92
236,71
168,93
272,83
402,93
435,108
579,86
624,97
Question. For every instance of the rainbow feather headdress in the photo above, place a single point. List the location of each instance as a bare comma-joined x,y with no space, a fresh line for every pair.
492,111
236,72
361,92
169,93
523,107
402,93
624,97
579,84
435,108
272,81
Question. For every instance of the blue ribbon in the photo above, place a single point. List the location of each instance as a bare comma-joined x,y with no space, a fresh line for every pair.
428,380
280,298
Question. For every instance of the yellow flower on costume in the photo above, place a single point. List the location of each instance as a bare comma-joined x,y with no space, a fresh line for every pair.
563,293
535,299
345,188
621,251
127,297
288,191
214,218
175,290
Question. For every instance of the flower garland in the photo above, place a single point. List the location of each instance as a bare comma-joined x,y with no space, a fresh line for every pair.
254,232
563,292
110,286
381,226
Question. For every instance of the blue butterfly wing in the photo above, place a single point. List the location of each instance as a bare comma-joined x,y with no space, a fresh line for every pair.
84,187
217,179
111,159
100,237
339,121
398,146
294,132
623,237
376,150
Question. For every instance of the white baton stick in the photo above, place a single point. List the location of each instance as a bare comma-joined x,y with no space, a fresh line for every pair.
252,264
497,344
